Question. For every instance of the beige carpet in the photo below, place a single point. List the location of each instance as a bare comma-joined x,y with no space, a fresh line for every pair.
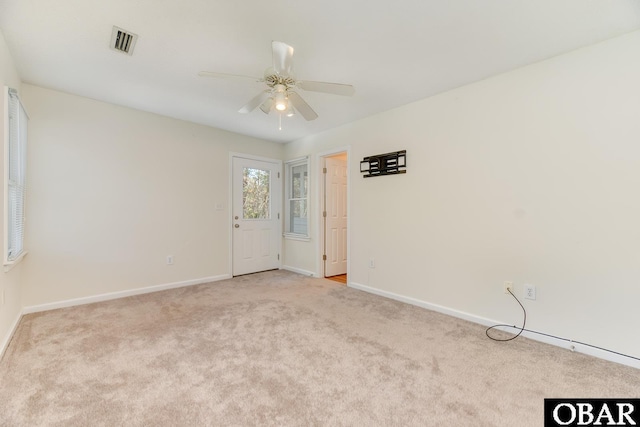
277,348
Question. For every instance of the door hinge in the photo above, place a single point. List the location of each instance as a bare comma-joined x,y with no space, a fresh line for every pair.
278,174
324,257
278,257
278,215
324,214
324,170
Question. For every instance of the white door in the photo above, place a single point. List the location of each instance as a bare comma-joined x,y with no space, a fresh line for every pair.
336,217
257,189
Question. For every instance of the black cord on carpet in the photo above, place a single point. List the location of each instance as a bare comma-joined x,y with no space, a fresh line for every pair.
524,322
523,329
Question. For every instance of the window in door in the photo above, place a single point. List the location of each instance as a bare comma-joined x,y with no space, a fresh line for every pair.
255,194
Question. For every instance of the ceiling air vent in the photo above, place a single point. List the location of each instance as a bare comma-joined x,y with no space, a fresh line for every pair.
123,40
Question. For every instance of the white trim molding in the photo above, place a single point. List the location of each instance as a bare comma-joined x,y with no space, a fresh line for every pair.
121,294
299,271
102,297
562,343
299,237
8,265
7,339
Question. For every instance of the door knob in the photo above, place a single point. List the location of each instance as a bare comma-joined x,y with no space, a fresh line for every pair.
237,226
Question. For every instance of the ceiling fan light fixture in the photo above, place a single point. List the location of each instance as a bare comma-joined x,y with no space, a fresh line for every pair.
280,98
289,111
281,105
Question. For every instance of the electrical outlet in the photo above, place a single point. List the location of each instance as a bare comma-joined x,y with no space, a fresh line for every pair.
169,259
372,263
529,292
508,286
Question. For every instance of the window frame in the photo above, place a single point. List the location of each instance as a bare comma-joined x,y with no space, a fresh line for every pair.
289,165
14,250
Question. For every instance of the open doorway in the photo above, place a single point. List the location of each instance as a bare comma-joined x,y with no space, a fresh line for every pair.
334,215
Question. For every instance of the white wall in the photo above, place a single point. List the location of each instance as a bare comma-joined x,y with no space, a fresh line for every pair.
9,281
532,176
113,191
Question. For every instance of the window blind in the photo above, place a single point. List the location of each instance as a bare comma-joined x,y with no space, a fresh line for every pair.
16,168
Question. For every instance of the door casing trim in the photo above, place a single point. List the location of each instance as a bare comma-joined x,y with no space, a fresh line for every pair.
319,163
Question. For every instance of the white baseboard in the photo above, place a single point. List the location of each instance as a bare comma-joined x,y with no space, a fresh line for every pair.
7,339
121,294
299,271
566,344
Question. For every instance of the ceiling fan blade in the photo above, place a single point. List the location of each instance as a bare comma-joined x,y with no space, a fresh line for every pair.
302,107
282,58
333,88
266,105
254,103
229,76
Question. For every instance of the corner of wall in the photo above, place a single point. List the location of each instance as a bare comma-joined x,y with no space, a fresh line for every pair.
10,282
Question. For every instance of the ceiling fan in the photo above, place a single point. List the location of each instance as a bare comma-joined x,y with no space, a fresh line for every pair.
281,95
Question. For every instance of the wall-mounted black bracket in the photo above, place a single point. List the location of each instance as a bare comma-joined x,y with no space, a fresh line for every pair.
384,164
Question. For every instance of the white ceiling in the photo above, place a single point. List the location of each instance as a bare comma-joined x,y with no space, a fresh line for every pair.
393,53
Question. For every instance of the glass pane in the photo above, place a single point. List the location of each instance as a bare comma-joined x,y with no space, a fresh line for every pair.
299,182
298,216
255,194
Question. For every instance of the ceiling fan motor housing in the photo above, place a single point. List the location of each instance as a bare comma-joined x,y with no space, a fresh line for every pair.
272,79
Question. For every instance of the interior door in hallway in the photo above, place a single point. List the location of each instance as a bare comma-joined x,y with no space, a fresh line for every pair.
256,194
336,216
